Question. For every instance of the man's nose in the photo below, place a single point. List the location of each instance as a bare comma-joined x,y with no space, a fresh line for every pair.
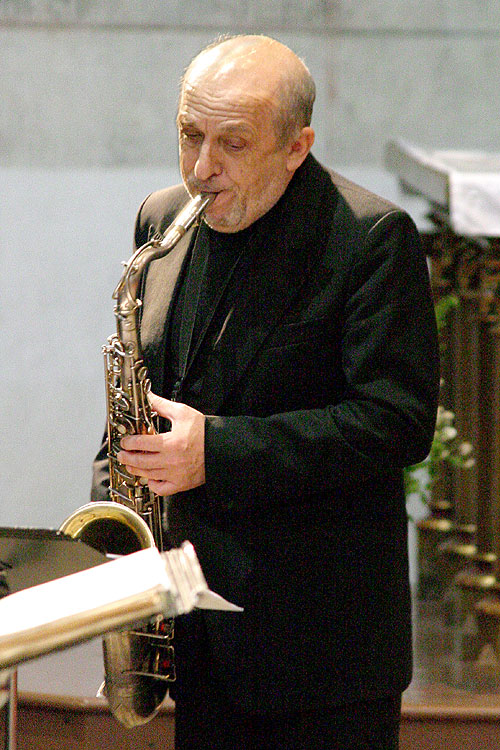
208,163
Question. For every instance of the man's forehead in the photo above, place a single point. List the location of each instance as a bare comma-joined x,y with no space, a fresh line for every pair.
237,106
234,125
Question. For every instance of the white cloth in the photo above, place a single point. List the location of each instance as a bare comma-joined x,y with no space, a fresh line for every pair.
475,203
466,183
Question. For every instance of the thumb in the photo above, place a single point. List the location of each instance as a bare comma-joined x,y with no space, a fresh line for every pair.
161,406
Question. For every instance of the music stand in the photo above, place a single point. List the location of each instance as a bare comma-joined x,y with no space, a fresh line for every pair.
29,557
88,597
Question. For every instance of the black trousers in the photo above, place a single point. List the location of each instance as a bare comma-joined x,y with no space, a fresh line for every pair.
206,718
368,725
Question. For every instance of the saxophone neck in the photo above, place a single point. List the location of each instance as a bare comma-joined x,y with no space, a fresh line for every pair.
126,292
128,287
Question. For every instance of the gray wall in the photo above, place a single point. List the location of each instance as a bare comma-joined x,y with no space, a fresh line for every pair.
88,93
93,83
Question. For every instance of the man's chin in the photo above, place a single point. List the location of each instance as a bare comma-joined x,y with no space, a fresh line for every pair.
219,225
223,220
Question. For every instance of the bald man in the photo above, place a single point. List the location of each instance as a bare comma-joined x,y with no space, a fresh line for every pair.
290,339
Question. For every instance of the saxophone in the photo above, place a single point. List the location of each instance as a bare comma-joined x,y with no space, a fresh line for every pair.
138,663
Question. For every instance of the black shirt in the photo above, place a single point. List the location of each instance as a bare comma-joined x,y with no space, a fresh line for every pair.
210,263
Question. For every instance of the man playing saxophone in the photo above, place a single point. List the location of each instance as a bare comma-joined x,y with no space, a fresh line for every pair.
291,345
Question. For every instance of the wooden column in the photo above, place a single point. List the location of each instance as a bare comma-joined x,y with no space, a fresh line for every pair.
437,527
466,377
488,608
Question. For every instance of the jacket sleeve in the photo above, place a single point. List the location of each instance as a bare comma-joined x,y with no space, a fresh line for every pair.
385,418
100,474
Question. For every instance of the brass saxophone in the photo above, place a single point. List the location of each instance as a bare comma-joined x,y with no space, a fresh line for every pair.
139,663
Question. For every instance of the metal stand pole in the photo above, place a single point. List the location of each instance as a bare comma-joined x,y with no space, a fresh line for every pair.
11,714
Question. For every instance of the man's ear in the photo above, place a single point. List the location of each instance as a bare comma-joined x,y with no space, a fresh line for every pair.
299,148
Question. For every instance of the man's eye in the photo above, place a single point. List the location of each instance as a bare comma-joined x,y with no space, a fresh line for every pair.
191,137
232,145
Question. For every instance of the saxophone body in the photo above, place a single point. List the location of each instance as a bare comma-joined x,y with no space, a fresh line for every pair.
139,663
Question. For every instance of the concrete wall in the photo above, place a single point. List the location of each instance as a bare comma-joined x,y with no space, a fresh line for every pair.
88,93
94,83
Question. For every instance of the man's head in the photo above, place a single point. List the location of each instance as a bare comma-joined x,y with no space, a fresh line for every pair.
244,126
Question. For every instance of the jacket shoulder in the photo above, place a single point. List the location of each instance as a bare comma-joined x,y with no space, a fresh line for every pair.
359,201
158,210
362,224
359,213
349,209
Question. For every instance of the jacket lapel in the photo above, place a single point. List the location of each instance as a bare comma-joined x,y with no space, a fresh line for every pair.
159,291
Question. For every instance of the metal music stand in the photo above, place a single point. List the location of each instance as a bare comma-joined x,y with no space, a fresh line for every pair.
29,557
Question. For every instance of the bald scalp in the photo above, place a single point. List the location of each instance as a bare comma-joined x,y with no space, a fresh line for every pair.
269,64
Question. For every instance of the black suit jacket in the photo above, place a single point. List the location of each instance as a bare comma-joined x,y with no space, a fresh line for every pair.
319,379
